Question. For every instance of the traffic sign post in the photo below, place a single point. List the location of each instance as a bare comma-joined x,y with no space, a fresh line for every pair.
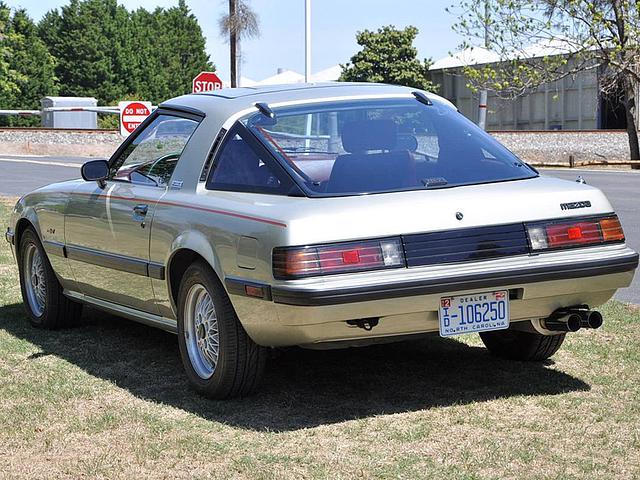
206,82
132,114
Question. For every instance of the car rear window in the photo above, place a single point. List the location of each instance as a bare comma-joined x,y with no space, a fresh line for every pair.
382,145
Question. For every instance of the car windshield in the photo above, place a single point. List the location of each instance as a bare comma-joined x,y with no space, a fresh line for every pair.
382,145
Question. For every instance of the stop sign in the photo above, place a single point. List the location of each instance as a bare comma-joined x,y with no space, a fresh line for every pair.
132,114
206,82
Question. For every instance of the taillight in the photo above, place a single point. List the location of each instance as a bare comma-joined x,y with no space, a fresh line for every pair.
297,262
611,230
574,233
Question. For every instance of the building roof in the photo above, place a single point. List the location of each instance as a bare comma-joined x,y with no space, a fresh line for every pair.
480,56
469,56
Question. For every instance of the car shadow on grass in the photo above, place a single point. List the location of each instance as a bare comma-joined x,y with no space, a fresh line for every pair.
301,388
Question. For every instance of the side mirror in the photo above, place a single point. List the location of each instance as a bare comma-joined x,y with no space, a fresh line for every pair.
95,171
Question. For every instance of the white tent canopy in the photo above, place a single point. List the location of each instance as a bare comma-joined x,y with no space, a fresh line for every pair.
331,74
247,82
287,76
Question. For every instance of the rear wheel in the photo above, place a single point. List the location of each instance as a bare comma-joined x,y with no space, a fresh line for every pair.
44,302
219,358
519,345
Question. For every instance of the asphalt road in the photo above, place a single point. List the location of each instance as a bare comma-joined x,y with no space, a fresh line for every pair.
19,175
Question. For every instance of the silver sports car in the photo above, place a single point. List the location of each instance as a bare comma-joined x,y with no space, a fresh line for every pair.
323,216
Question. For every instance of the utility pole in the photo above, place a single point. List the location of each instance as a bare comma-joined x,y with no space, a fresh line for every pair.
307,41
233,43
482,106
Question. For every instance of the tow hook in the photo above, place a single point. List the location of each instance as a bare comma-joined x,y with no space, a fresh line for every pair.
364,323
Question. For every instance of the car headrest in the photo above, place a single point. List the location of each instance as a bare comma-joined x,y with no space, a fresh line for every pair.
363,135
407,141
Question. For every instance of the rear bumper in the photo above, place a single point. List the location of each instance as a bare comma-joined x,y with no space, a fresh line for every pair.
452,282
406,301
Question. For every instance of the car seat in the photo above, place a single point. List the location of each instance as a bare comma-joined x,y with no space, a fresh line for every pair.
362,171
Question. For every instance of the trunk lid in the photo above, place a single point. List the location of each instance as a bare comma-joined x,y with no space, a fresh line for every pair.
369,216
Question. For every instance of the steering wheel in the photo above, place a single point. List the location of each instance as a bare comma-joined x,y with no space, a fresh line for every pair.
164,158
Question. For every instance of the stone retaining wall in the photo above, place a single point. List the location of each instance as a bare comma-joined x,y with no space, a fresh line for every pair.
72,143
533,147
555,147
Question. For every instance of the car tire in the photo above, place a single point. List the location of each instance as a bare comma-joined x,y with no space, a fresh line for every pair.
44,302
518,345
219,358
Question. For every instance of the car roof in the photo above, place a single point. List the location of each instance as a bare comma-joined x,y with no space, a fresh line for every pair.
264,89
228,101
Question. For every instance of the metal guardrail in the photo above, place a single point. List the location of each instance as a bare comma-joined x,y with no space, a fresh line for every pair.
84,131
104,110
107,110
22,113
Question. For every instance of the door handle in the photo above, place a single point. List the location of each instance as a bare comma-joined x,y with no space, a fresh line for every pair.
141,210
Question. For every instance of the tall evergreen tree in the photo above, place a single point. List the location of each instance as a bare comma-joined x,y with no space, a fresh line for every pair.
8,76
169,52
184,53
90,38
107,52
35,66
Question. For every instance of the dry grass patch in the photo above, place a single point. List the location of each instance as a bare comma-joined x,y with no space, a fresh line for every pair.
109,400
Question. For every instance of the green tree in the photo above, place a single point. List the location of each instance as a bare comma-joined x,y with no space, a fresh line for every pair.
580,35
35,66
388,56
90,40
169,52
107,52
8,76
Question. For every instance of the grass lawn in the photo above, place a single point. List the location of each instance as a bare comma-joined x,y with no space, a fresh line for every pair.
109,400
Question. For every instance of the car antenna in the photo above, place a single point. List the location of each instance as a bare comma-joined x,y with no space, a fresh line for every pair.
265,110
422,97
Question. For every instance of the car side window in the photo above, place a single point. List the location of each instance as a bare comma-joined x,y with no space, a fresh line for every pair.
239,166
153,155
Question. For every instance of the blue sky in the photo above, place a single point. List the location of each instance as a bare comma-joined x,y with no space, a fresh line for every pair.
281,44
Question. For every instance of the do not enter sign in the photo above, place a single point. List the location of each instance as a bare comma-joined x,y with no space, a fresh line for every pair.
132,114
206,82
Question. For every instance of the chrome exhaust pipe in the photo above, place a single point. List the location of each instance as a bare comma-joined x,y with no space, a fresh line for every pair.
590,319
565,322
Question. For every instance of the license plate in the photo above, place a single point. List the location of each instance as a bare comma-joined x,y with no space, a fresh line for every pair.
479,312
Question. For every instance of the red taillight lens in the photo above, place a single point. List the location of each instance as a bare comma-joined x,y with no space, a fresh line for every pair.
351,256
308,261
592,231
562,235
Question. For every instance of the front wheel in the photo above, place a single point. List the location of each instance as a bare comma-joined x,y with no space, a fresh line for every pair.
519,345
219,358
46,305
